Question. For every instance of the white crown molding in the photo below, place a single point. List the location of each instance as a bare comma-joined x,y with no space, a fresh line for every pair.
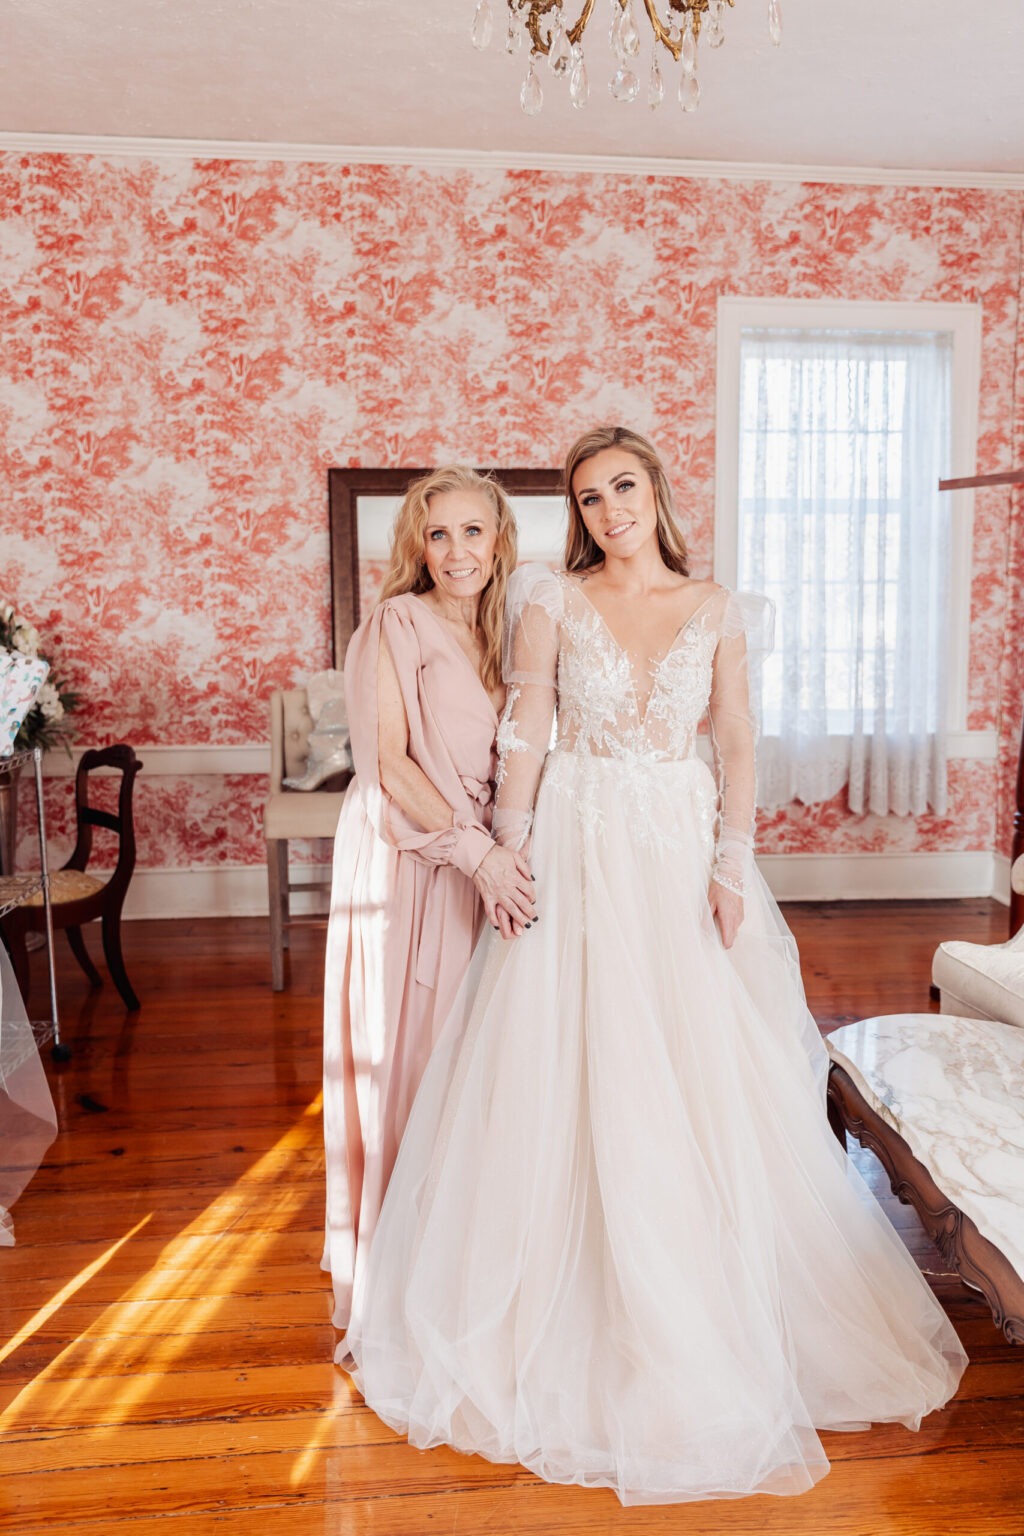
113,147
241,891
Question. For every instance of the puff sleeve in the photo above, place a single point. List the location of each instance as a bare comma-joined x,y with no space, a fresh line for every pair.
466,842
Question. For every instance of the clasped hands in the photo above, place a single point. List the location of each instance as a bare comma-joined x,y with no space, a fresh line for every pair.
506,885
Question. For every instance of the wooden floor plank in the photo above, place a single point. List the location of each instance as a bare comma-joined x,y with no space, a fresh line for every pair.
167,1364
974,1425
883,1497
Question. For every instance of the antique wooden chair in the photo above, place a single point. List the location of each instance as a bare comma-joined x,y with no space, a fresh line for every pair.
78,897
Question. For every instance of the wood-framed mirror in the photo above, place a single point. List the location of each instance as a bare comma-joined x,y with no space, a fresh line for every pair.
362,505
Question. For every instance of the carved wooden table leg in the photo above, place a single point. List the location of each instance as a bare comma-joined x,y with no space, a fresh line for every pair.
978,1262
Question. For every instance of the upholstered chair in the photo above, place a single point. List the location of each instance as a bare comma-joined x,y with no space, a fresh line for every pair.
984,981
291,814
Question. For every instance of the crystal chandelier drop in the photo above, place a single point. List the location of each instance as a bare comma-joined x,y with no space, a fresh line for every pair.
540,26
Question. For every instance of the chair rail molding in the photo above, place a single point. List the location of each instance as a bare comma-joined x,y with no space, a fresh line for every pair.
173,760
254,758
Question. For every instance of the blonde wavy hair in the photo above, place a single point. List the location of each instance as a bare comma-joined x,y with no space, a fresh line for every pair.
407,571
581,549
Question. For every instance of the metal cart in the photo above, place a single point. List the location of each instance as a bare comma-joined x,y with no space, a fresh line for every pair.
15,890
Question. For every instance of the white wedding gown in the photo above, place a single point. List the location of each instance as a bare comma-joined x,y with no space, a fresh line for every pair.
621,1244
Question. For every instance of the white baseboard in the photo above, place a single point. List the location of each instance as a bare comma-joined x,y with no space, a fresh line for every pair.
879,876
242,891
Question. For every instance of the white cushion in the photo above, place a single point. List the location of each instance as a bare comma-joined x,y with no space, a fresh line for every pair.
297,814
989,978
69,885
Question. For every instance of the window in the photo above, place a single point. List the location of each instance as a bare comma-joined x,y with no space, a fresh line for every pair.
838,434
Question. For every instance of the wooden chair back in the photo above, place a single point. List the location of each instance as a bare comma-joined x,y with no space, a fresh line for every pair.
122,759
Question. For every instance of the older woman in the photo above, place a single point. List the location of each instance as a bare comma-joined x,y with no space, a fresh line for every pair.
415,867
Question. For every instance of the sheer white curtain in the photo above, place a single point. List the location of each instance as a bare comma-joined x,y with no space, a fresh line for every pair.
843,438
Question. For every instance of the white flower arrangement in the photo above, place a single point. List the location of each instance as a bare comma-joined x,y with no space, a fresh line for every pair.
46,723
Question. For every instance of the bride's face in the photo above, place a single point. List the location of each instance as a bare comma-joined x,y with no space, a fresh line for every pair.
616,501
459,543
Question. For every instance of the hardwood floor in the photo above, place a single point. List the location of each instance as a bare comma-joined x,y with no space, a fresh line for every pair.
165,1364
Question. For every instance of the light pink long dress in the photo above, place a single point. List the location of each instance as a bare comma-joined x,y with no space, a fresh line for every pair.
405,914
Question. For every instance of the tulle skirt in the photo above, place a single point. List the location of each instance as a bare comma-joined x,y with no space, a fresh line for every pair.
28,1121
621,1245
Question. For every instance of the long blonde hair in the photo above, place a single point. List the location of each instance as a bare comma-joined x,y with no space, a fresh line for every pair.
581,549
407,571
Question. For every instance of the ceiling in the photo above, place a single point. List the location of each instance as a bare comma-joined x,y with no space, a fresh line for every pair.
912,84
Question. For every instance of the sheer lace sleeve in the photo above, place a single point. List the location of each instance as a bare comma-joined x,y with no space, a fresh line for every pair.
530,666
746,639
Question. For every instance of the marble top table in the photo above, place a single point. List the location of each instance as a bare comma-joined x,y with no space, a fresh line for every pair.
953,1089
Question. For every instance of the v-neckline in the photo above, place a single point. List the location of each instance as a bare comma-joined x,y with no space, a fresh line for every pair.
456,646
656,663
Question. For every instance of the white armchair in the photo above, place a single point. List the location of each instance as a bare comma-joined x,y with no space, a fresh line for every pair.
984,981
291,814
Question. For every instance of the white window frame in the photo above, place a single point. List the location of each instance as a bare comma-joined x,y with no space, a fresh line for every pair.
963,321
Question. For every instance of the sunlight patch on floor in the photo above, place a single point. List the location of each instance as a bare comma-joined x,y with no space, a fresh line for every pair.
67,1291
195,1251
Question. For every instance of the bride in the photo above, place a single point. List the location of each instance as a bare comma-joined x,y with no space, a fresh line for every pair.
621,1245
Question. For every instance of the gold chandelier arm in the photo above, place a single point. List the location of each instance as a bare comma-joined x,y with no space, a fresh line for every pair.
575,33
661,31
539,9
697,9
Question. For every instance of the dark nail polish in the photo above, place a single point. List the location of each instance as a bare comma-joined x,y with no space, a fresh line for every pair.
529,925
533,877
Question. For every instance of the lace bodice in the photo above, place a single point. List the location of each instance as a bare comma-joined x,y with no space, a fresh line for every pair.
561,659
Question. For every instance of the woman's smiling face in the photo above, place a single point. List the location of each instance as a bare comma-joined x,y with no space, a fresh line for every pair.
615,499
459,543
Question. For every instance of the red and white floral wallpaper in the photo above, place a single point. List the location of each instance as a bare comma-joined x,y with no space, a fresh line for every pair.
189,345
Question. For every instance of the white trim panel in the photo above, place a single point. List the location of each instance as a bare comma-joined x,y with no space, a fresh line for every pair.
169,760
242,891
1001,880
976,746
113,147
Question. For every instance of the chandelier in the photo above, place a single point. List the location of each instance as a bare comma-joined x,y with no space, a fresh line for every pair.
541,25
